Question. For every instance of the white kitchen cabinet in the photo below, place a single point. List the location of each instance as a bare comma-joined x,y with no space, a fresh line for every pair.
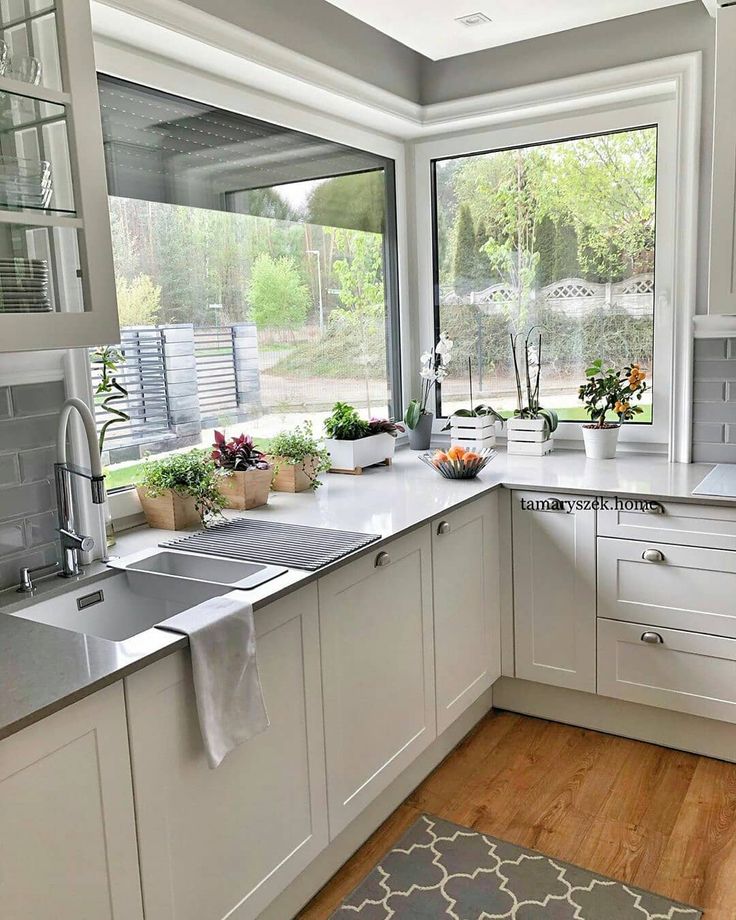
684,587
223,843
58,283
67,840
668,668
554,591
685,523
467,606
722,286
377,671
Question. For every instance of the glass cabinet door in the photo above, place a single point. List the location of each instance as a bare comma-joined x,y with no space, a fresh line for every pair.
57,284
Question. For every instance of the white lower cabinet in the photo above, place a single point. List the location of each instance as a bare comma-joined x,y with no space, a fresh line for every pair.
554,591
67,846
223,843
377,671
669,668
467,606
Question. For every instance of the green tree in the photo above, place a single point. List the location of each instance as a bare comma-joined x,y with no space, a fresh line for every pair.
354,202
465,252
139,301
278,297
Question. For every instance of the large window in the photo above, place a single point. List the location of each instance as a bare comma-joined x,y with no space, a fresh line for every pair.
255,270
560,236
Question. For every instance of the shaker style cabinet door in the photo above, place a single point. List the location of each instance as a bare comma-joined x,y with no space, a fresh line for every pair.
467,624
554,592
57,282
225,842
67,824
377,671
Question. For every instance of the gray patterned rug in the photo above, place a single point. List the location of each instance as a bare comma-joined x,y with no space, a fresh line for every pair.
439,869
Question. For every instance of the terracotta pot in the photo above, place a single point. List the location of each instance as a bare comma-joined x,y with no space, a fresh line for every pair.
245,489
168,511
292,477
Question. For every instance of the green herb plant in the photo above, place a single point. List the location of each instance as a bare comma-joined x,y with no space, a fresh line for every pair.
345,424
192,474
300,447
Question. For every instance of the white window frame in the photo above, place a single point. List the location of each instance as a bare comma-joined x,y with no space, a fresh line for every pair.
673,106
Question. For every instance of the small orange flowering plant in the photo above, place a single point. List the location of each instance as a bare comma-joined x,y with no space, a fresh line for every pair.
612,390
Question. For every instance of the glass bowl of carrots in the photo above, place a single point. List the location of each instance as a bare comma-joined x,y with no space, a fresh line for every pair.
458,462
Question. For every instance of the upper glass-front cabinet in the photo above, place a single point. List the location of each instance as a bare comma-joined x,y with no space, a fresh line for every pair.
57,284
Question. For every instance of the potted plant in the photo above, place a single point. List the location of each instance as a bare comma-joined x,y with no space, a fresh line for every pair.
604,392
354,443
180,491
432,370
531,427
298,459
244,473
109,391
474,428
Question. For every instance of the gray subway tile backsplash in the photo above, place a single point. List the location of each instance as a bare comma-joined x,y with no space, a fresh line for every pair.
714,401
28,419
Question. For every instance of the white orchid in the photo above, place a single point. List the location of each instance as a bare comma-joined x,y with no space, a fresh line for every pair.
432,370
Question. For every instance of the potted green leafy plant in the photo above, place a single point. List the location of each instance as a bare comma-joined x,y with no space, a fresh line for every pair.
354,443
180,491
298,459
531,427
110,396
432,370
244,473
605,392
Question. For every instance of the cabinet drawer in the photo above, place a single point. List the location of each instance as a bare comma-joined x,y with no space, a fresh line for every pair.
688,588
676,522
685,672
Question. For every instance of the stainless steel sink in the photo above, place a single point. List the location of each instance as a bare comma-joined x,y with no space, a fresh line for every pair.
172,572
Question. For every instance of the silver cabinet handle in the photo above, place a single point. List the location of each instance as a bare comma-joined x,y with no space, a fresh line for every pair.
382,559
652,638
652,555
443,527
655,508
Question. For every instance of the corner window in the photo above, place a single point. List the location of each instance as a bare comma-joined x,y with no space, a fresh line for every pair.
255,272
558,235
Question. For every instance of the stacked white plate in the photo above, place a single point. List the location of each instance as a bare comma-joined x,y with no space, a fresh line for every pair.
25,183
24,286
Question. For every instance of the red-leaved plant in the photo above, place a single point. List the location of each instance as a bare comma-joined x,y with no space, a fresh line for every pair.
238,453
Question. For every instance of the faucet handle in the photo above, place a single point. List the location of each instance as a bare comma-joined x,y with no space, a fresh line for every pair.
72,540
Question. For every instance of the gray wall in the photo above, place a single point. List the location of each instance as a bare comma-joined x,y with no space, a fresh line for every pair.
28,418
325,33
714,401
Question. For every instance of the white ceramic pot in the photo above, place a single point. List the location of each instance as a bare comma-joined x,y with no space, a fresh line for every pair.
355,455
601,443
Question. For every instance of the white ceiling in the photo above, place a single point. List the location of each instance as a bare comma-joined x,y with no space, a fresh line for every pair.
429,26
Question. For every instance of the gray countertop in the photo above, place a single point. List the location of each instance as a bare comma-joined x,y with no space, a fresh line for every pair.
43,668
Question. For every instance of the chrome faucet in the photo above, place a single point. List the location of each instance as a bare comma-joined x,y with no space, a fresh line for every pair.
71,541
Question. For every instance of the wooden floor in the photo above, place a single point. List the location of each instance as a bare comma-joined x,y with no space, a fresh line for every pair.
646,815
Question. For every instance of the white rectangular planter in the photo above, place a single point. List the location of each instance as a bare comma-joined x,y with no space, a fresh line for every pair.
529,436
354,456
473,433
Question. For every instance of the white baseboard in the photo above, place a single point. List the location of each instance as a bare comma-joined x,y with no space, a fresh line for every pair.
314,877
677,730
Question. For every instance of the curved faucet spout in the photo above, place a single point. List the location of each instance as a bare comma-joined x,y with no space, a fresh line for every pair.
71,541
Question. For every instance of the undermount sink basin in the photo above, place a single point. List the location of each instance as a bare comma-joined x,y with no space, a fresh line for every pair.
230,573
112,609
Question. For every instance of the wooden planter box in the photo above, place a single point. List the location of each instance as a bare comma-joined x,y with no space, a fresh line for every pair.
169,511
473,433
245,489
291,477
528,436
354,456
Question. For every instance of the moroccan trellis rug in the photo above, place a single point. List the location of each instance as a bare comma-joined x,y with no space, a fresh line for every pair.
439,869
